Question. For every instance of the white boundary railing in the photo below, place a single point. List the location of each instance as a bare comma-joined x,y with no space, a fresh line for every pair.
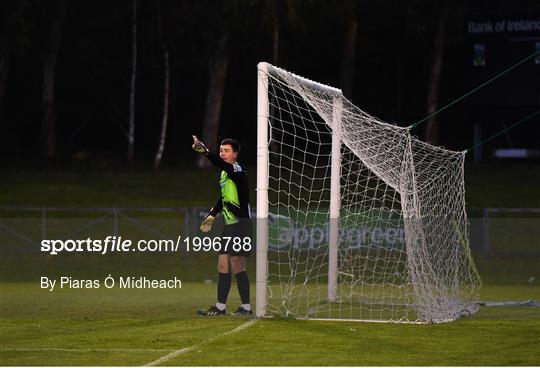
487,213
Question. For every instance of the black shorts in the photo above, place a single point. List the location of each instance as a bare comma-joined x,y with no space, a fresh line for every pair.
243,232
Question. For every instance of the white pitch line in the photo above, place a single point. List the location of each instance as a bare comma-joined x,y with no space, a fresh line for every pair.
80,350
176,353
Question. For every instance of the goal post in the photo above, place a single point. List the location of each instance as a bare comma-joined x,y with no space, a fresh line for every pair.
335,166
262,189
356,218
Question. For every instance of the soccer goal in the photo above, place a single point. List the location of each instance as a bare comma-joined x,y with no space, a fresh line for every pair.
356,218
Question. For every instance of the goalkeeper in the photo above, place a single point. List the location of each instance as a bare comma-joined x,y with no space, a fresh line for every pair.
234,203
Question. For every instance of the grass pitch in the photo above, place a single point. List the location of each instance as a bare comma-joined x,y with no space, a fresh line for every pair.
136,327
488,185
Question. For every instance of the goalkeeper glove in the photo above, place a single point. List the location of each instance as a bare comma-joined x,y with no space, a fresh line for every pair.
199,146
207,223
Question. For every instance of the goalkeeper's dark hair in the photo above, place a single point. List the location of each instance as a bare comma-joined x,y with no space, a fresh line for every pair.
233,143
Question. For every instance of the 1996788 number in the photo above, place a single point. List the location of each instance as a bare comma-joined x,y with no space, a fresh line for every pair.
217,244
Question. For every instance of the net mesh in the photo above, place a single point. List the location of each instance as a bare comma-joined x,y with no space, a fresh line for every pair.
403,251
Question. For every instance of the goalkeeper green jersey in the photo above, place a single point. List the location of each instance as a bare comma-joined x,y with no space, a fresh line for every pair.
234,199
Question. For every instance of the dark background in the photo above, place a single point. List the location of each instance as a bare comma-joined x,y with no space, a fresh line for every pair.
394,52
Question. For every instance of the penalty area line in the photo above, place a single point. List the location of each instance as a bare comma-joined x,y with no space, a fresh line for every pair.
78,350
178,352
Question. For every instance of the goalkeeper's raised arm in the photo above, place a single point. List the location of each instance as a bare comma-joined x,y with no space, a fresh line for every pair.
228,154
234,204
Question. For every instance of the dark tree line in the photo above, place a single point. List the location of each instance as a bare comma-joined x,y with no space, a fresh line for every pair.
133,79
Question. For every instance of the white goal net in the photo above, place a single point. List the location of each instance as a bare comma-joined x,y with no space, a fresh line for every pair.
357,219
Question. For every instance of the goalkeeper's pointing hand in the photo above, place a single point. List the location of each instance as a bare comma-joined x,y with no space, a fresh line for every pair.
199,146
207,223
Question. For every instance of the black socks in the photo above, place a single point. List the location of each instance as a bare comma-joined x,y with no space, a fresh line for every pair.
224,285
242,281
